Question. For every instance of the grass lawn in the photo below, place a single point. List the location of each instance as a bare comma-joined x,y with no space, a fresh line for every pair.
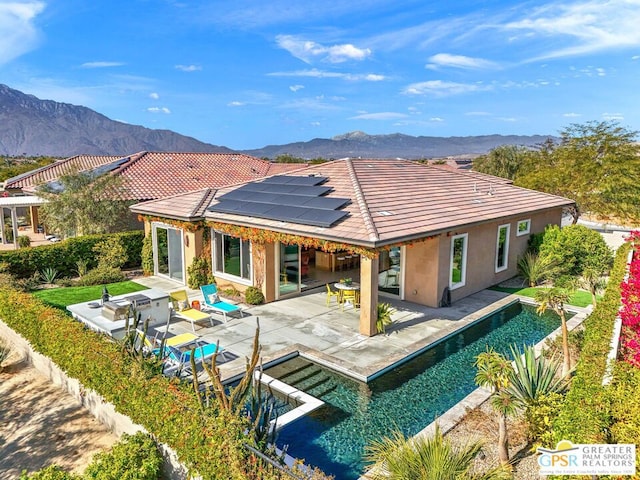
63,296
580,298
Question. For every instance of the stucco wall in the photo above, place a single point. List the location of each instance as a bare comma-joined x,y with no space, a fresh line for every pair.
422,279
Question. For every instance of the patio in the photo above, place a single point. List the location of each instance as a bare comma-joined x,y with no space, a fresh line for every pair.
329,336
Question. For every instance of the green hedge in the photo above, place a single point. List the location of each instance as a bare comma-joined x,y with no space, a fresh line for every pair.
62,256
208,441
586,414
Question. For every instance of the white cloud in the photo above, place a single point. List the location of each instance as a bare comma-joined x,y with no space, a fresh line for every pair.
315,73
188,68
236,104
478,114
635,57
613,116
154,95
438,88
19,35
158,110
586,27
101,64
307,50
571,115
379,116
295,88
507,119
436,119
458,61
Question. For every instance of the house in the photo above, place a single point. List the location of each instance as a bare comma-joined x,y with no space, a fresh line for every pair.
151,175
421,233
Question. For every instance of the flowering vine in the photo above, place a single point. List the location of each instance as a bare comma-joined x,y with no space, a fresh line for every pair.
630,309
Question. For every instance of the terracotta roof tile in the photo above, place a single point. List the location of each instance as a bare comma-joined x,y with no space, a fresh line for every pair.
400,199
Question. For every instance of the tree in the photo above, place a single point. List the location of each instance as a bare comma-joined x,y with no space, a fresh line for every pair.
596,164
425,458
494,371
83,205
555,299
503,161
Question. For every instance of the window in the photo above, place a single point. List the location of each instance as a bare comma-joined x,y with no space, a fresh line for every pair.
231,256
458,274
523,227
502,248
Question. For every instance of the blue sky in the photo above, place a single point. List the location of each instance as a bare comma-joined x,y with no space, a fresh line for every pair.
245,74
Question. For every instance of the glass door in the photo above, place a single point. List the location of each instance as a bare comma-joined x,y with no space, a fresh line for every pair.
168,252
289,270
389,268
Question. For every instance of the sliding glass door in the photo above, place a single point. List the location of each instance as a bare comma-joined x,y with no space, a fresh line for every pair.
168,255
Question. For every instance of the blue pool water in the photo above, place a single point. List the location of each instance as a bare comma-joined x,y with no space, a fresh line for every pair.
407,398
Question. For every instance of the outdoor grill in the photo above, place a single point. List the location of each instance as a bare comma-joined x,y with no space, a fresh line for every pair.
139,301
115,311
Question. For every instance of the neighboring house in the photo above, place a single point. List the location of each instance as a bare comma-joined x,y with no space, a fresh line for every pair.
420,233
152,175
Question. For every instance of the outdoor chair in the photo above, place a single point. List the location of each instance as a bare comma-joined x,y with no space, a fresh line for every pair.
351,297
213,302
177,341
333,293
178,360
182,309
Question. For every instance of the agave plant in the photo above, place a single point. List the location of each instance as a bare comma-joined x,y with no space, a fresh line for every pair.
533,377
49,275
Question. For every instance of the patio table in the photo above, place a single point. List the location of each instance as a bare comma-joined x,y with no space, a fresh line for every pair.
343,287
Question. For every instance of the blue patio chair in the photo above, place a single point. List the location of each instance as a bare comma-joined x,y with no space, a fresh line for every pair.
213,302
178,361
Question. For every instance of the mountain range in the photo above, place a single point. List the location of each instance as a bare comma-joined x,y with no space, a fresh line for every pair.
30,126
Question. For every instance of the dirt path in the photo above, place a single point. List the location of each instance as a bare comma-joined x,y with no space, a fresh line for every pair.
41,425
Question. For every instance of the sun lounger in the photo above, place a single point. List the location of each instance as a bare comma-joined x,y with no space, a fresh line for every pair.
178,360
182,308
213,302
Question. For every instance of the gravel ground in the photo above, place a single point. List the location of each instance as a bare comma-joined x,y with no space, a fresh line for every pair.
481,424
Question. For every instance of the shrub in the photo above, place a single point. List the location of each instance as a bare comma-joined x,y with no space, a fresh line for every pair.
111,253
24,241
52,472
539,417
199,273
253,296
49,275
134,457
384,317
146,256
534,268
100,276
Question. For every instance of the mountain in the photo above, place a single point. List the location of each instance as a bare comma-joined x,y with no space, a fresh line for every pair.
30,126
359,144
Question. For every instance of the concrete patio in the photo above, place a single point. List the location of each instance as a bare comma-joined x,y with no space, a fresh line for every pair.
305,325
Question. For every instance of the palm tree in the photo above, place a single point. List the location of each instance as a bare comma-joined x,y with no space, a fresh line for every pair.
425,458
494,371
593,281
555,299
535,268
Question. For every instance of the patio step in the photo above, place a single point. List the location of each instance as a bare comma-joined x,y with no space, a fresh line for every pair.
322,393
285,377
309,378
319,382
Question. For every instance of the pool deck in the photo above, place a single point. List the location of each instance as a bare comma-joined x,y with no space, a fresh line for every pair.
305,325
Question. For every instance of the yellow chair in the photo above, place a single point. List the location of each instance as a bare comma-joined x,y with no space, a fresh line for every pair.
182,308
333,293
351,297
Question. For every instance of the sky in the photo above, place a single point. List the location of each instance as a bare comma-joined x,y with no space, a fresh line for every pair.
246,74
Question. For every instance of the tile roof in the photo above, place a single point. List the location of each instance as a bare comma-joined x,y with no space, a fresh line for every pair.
153,175
394,200
184,206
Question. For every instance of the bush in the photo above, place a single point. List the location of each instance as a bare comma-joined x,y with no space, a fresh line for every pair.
100,276
199,273
63,256
134,457
52,472
539,417
24,241
111,253
146,256
253,296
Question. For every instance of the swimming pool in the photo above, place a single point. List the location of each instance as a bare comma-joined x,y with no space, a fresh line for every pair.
407,398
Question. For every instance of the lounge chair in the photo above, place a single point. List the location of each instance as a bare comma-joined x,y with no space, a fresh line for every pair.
176,341
182,308
178,360
213,302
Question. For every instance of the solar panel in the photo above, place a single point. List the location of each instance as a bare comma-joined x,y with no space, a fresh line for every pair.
286,199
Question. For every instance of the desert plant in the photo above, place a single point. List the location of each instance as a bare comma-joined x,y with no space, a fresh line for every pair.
555,299
253,296
425,457
82,267
5,351
24,241
49,275
534,268
385,310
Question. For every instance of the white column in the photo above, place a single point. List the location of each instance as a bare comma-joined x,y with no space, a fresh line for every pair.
4,239
14,225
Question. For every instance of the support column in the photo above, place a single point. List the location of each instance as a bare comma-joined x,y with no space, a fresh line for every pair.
4,237
14,224
34,218
368,295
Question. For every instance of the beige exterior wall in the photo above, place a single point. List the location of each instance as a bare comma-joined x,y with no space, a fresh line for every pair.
422,280
192,243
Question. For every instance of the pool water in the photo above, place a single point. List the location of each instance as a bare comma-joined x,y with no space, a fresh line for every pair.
407,398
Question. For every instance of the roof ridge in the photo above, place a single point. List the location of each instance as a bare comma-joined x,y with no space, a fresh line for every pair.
362,204
133,158
207,196
33,173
